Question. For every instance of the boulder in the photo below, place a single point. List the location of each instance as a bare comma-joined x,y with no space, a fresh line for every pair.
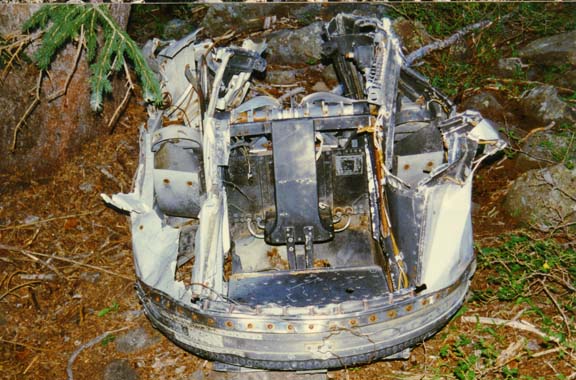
553,50
543,105
546,149
485,103
543,198
296,46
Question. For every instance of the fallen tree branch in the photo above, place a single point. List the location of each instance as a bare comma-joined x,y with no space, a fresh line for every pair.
559,308
519,325
26,284
27,113
124,101
67,260
64,89
529,82
48,220
439,45
536,130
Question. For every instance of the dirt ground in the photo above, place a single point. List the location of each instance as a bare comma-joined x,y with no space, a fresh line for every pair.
66,278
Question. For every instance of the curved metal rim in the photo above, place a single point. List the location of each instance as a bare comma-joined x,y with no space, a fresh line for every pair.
381,337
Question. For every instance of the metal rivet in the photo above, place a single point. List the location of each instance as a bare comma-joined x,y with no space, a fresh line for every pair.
353,322
392,313
269,326
249,326
229,324
408,308
166,181
373,318
189,183
406,167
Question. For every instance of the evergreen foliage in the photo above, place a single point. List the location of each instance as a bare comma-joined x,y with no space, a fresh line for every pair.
62,23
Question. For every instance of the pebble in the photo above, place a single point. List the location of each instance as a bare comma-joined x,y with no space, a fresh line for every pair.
120,369
135,340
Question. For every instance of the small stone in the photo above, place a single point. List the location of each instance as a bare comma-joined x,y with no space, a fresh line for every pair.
31,219
329,75
135,340
120,369
320,87
86,187
91,277
281,77
510,67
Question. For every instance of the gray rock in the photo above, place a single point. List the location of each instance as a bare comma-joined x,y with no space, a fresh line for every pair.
567,80
175,29
546,149
483,102
554,50
296,46
86,187
543,104
221,18
320,87
510,67
135,340
120,369
544,198
31,219
91,277
329,75
281,76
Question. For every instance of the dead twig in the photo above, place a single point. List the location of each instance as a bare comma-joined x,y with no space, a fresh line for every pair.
90,343
31,364
19,43
64,89
26,284
564,318
48,220
439,45
124,102
67,260
529,82
536,130
25,345
519,325
46,264
27,113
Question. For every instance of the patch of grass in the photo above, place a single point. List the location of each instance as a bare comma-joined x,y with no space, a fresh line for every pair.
473,61
539,274
112,308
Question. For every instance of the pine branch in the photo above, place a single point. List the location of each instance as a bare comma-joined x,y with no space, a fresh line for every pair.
62,23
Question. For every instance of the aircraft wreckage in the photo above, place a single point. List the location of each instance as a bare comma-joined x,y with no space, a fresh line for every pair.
329,232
